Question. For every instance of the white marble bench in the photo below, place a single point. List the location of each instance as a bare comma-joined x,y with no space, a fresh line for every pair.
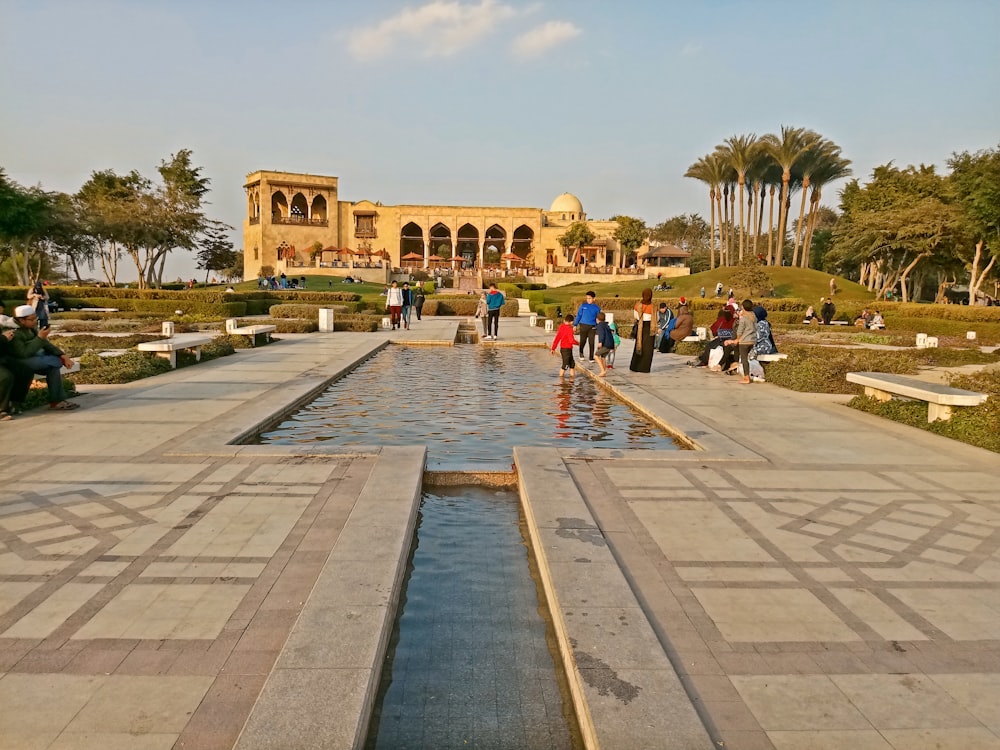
940,398
168,348
771,357
251,331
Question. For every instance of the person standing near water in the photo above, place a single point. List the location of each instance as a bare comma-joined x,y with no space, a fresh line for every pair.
586,319
394,304
564,342
494,301
407,305
419,298
482,312
642,355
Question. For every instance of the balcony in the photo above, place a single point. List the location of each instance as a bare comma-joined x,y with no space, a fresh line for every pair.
366,234
300,220
254,220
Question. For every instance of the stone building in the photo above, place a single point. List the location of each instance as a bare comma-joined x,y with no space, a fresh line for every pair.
297,221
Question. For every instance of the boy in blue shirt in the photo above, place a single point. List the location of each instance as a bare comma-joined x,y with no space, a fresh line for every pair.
494,301
586,319
605,342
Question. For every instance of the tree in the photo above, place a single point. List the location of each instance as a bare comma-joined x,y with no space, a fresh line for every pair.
215,248
975,182
740,152
577,235
630,234
786,149
750,275
710,170
235,271
894,222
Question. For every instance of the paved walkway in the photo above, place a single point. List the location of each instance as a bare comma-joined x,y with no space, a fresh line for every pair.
810,576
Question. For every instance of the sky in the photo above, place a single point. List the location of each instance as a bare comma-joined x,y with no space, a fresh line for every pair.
484,102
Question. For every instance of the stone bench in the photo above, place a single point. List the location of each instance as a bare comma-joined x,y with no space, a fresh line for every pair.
771,357
168,348
251,331
940,398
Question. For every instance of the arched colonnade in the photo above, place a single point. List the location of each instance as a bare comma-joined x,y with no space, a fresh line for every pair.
467,243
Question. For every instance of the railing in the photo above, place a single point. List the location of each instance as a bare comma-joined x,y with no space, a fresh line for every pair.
255,220
365,234
276,219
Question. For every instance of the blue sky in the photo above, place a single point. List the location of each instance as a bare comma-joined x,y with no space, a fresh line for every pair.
485,102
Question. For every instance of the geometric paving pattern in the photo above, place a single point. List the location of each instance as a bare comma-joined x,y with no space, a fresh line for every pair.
780,601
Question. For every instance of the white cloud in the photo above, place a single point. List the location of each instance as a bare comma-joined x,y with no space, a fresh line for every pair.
437,29
541,39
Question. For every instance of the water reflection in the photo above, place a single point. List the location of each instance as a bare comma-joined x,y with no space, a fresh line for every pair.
470,405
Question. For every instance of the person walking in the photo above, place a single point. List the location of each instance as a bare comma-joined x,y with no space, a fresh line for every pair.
407,305
718,289
419,298
394,304
642,312
586,320
605,342
564,342
494,301
38,298
482,312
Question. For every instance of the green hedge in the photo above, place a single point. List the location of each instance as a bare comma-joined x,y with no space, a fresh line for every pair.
465,306
304,312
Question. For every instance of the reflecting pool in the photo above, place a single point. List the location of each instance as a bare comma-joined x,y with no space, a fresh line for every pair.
470,405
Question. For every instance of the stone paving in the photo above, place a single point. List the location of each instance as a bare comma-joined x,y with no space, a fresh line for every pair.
810,576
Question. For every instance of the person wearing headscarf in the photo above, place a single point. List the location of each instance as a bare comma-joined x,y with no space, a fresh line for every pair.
642,312
722,329
765,339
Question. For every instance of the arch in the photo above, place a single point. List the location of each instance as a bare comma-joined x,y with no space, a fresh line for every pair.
300,209
522,241
440,237
318,210
279,205
467,244
496,235
411,239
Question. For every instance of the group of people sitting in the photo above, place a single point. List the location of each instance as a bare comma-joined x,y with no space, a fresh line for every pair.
873,321
740,334
25,350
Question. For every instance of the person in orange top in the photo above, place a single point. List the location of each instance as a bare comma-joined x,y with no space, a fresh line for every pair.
565,341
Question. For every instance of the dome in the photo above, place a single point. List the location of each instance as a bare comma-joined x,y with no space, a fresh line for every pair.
567,203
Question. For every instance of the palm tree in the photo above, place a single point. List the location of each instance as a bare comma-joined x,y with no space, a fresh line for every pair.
786,149
833,167
740,152
809,162
710,170
757,177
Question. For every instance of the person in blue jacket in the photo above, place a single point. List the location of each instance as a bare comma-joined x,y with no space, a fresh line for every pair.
586,319
494,301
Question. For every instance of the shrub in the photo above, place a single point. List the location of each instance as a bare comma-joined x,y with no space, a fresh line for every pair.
824,369
296,325
132,365
361,323
76,346
303,312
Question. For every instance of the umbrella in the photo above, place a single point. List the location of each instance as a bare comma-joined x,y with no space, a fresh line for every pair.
412,256
510,256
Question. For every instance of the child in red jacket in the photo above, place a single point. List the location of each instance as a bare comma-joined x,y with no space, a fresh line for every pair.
565,341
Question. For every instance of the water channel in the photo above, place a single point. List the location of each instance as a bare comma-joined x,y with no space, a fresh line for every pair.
471,661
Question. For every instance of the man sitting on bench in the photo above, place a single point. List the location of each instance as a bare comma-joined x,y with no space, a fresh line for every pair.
33,348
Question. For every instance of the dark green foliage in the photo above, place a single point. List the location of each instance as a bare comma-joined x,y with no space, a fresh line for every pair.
132,365
296,325
457,305
824,369
303,312
76,346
